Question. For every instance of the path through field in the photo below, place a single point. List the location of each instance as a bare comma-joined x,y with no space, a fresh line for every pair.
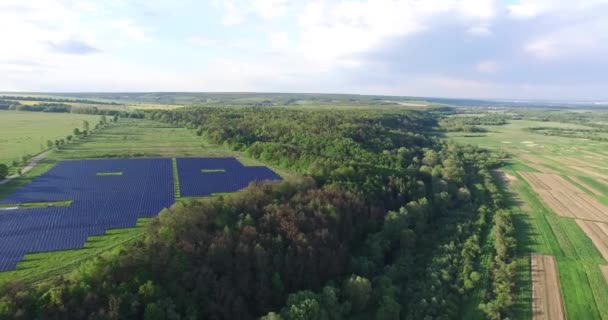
546,293
28,168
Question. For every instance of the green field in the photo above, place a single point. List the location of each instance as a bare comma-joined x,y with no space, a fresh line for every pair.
27,132
538,228
125,139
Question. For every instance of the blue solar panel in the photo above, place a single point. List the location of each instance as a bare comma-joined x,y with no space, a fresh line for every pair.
100,203
193,182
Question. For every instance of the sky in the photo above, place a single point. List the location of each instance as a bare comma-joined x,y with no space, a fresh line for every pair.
509,49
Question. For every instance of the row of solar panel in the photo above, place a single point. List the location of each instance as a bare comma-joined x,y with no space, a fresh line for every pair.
144,187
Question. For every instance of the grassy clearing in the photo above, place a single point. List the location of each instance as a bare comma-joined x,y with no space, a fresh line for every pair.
103,174
176,191
66,203
23,133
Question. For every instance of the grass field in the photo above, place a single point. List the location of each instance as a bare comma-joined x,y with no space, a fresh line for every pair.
24,133
127,138
539,229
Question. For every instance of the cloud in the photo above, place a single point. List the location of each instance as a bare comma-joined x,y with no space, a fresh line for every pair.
487,66
235,12
73,46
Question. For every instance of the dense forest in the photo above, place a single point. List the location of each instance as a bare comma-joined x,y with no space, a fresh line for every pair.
387,222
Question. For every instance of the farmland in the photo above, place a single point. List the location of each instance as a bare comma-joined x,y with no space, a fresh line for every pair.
559,191
546,294
28,132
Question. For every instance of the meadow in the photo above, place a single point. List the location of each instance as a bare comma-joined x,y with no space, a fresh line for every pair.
25,133
565,163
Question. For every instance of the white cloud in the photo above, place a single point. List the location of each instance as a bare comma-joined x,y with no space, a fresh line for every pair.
487,66
235,12
582,40
270,9
279,41
527,9
332,31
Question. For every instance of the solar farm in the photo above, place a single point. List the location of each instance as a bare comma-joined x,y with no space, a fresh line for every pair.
107,194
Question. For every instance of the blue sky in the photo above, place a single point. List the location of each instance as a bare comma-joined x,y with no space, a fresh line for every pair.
518,49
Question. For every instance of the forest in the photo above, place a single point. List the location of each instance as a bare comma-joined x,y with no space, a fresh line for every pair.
388,221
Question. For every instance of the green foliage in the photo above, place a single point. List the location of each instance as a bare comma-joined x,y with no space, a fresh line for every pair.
3,171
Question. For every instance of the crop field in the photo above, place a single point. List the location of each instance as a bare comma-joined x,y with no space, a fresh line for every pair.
129,138
27,132
564,198
558,190
546,293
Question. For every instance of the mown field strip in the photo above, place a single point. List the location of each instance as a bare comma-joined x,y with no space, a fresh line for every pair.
591,172
546,294
564,198
598,233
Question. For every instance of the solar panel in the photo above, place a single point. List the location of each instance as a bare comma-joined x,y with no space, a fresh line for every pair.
197,177
101,202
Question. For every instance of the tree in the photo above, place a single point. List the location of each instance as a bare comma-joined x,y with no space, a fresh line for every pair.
103,120
358,291
115,118
76,132
3,171
69,138
49,144
85,125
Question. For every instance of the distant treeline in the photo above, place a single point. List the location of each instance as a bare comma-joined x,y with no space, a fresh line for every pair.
471,123
580,133
66,108
47,99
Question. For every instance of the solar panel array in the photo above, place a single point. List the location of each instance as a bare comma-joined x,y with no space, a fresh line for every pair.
193,182
100,203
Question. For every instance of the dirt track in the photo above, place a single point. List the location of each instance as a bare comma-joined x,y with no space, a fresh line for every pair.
546,294
564,198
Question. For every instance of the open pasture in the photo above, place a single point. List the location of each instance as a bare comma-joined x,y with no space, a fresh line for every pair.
107,201
23,133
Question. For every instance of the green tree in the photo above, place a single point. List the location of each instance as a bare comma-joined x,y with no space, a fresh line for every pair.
76,132
85,125
3,171
49,144
358,291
